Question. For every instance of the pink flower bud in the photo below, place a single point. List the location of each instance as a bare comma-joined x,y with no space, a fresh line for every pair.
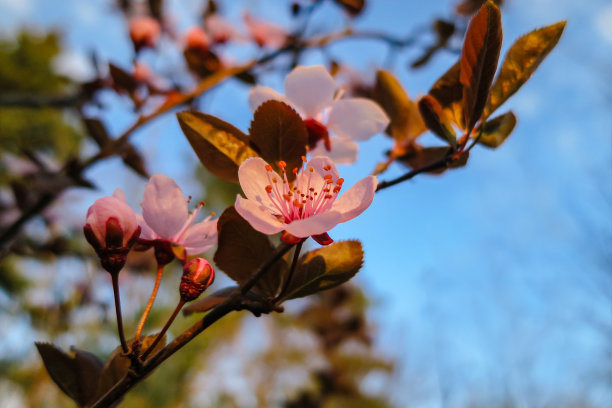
144,32
198,275
111,229
196,38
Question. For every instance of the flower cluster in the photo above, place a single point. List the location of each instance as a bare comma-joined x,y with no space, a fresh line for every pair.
112,227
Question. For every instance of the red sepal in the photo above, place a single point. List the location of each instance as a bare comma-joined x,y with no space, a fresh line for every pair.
290,239
323,239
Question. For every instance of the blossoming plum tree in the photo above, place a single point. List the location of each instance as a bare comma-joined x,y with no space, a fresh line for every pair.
285,166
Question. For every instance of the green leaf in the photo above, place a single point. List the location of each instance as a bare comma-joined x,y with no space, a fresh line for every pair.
325,268
479,59
77,376
521,61
241,250
280,134
220,147
436,120
118,364
406,123
497,130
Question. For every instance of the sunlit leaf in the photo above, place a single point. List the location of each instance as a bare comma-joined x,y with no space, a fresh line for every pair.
219,146
521,61
241,250
436,120
406,123
279,133
77,376
449,92
325,268
495,131
479,59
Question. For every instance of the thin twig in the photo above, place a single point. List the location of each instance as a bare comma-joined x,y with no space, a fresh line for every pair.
115,279
296,255
163,331
145,314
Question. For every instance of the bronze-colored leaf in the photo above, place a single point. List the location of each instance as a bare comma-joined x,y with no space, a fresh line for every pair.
449,92
97,131
220,146
325,268
202,63
353,7
521,61
77,376
122,79
241,250
436,120
495,131
421,158
479,59
279,133
406,122
210,301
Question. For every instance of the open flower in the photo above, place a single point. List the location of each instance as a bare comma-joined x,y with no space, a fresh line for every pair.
307,207
111,228
166,220
311,91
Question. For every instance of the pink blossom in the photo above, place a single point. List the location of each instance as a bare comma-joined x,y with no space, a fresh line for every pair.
196,38
111,228
312,92
220,29
165,218
308,207
144,32
264,33
198,274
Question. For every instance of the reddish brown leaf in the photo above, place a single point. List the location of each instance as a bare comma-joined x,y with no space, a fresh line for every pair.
435,120
479,59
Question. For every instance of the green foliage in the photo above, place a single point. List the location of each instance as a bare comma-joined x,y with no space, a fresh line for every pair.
26,69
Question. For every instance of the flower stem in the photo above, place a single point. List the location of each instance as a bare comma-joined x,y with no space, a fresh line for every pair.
115,279
163,331
296,255
145,314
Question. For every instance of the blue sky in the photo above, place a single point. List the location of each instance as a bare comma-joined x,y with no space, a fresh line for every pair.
490,280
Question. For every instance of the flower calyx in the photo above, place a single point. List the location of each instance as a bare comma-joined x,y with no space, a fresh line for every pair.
198,274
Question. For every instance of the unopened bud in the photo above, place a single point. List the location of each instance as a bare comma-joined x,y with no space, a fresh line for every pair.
111,229
198,275
144,32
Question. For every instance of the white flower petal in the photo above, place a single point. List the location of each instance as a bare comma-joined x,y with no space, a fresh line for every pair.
317,224
120,195
201,237
315,179
354,201
311,89
357,118
253,178
258,216
164,207
259,94
343,150
146,232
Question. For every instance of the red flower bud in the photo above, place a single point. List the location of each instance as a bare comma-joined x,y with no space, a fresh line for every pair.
198,275
111,229
144,32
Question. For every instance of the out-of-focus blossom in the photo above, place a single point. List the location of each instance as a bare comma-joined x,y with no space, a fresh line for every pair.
166,220
198,274
264,33
142,72
311,91
308,207
196,38
220,30
111,228
144,32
